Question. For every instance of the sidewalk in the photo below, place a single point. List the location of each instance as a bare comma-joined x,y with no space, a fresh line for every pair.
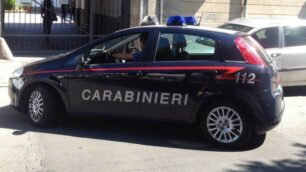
7,67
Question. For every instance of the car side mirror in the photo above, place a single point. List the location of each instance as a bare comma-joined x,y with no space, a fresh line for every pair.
82,61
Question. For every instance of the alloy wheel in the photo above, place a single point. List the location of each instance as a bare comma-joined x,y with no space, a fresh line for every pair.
36,105
224,124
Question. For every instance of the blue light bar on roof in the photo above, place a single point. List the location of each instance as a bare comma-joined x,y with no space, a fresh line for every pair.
176,21
191,20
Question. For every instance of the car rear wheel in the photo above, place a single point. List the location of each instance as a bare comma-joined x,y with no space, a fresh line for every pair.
42,107
225,124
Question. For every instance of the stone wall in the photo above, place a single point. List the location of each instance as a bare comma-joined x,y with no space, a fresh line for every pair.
263,8
135,13
213,12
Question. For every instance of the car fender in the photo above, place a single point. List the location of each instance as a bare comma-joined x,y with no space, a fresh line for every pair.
48,82
247,101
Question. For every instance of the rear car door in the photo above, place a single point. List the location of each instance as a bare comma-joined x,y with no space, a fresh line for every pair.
294,56
185,65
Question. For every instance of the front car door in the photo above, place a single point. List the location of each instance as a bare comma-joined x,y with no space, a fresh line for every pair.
106,86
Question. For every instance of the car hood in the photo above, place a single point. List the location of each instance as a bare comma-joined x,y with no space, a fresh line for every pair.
48,63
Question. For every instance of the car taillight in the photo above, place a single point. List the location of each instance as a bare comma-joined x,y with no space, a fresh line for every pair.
249,52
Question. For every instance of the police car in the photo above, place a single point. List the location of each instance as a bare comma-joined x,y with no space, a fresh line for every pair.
219,79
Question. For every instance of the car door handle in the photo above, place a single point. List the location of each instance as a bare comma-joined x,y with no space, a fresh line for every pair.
202,73
60,76
210,72
276,55
139,73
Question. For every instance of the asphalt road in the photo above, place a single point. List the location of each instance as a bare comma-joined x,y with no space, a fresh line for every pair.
126,145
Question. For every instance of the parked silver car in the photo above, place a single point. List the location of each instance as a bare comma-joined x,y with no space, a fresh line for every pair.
284,39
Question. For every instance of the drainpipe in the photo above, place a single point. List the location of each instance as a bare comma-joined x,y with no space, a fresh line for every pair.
92,15
1,17
141,11
161,6
244,9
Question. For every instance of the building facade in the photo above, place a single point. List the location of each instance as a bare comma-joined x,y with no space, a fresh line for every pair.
117,14
216,12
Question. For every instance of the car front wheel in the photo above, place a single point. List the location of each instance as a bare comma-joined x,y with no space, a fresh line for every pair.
42,106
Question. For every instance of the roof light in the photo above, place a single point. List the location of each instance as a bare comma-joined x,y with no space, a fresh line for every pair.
176,21
149,20
191,20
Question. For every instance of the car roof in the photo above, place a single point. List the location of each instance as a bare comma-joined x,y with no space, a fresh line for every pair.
187,28
266,22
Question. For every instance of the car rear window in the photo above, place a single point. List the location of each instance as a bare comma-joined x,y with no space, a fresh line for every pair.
231,52
181,46
236,27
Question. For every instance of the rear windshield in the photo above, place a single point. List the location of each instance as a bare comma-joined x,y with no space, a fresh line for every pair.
236,27
258,49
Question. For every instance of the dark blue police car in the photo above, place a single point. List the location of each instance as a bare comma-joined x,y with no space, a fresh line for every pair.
219,79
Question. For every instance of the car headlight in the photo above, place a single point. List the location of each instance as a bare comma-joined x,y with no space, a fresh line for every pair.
17,79
17,73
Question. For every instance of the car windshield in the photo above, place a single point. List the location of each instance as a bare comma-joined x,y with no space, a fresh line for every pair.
236,27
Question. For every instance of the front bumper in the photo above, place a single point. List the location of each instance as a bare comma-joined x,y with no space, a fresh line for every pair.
273,106
14,94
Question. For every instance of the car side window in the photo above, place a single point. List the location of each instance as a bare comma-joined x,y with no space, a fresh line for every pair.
268,37
102,52
295,36
99,53
178,46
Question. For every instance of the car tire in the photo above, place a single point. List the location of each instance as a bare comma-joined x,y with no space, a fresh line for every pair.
42,107
225,124
255,141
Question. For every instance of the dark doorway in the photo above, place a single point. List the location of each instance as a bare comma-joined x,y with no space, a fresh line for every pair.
113,16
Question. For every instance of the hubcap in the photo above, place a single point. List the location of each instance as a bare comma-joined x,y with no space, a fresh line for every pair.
224,124
36,106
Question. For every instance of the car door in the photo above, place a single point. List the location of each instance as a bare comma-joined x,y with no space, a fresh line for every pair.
106,86
294,56
185,65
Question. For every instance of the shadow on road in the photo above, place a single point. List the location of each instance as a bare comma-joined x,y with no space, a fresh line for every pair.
295,91
120,130
296,164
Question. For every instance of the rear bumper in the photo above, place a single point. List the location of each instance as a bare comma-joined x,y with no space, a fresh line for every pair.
273,106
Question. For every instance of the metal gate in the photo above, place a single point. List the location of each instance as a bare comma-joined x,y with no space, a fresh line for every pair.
23,24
